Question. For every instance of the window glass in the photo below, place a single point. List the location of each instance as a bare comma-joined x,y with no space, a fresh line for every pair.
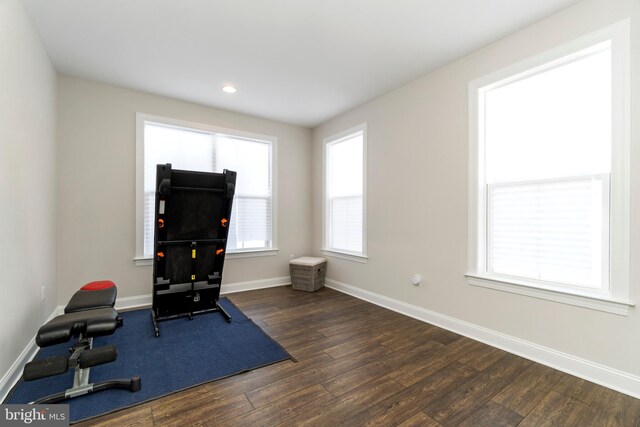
192,149
344,205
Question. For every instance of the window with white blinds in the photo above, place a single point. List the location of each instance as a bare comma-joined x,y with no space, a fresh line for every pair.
344,201
548,151
548,157
199,148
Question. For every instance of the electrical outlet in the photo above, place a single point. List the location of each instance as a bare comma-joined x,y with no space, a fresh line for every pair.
43,293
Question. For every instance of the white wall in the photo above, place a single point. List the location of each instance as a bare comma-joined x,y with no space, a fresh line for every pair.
417,199
96,186
27,183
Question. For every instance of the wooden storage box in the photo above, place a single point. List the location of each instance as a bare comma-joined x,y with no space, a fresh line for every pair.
308,273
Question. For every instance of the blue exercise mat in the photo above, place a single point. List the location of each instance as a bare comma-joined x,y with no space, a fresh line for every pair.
187,353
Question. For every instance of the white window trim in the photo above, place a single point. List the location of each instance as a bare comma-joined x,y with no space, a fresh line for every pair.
139,259
617,301
346,255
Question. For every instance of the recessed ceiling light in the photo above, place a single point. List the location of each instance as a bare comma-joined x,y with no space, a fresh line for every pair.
229,89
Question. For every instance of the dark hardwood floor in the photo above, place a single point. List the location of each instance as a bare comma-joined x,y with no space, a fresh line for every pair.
359,364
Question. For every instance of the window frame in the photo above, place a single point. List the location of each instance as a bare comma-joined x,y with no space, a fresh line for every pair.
141,119
616,300
361,257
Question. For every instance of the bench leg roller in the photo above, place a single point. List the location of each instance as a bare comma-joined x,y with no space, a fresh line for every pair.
97,356
48,367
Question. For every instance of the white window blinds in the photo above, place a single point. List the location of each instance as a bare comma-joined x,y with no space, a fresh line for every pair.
553,230
251,217
192,149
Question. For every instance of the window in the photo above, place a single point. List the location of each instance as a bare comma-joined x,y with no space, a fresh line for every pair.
550,175
344,194
198,147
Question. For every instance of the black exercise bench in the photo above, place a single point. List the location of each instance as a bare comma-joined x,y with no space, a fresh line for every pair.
89,314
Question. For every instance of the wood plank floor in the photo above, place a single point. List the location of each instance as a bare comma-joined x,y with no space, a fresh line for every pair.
362,365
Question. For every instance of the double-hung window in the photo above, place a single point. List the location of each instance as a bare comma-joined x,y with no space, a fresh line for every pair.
192,146
345,195
549,182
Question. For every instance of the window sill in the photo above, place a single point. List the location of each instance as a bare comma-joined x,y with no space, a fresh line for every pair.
600,303
345,255
143,262
252,254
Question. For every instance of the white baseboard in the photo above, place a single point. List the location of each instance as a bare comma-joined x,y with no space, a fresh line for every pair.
141,301
11,377
131,303
255,284
591,371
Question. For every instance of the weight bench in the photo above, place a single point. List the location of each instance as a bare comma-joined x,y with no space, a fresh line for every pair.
83,322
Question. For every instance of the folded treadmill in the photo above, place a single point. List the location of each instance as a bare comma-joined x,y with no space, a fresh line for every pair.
192,216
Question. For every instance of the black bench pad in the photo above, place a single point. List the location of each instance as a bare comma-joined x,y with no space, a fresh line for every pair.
49,367
90,323
90,300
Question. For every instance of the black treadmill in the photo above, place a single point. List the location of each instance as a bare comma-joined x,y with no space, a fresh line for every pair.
193,210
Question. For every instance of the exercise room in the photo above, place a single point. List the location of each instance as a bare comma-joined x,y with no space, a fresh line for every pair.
320,213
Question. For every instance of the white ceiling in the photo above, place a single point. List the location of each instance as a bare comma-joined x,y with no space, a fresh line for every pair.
297,61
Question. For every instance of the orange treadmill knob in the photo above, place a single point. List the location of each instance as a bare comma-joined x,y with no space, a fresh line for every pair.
161,223
219,251
224,222
160,254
